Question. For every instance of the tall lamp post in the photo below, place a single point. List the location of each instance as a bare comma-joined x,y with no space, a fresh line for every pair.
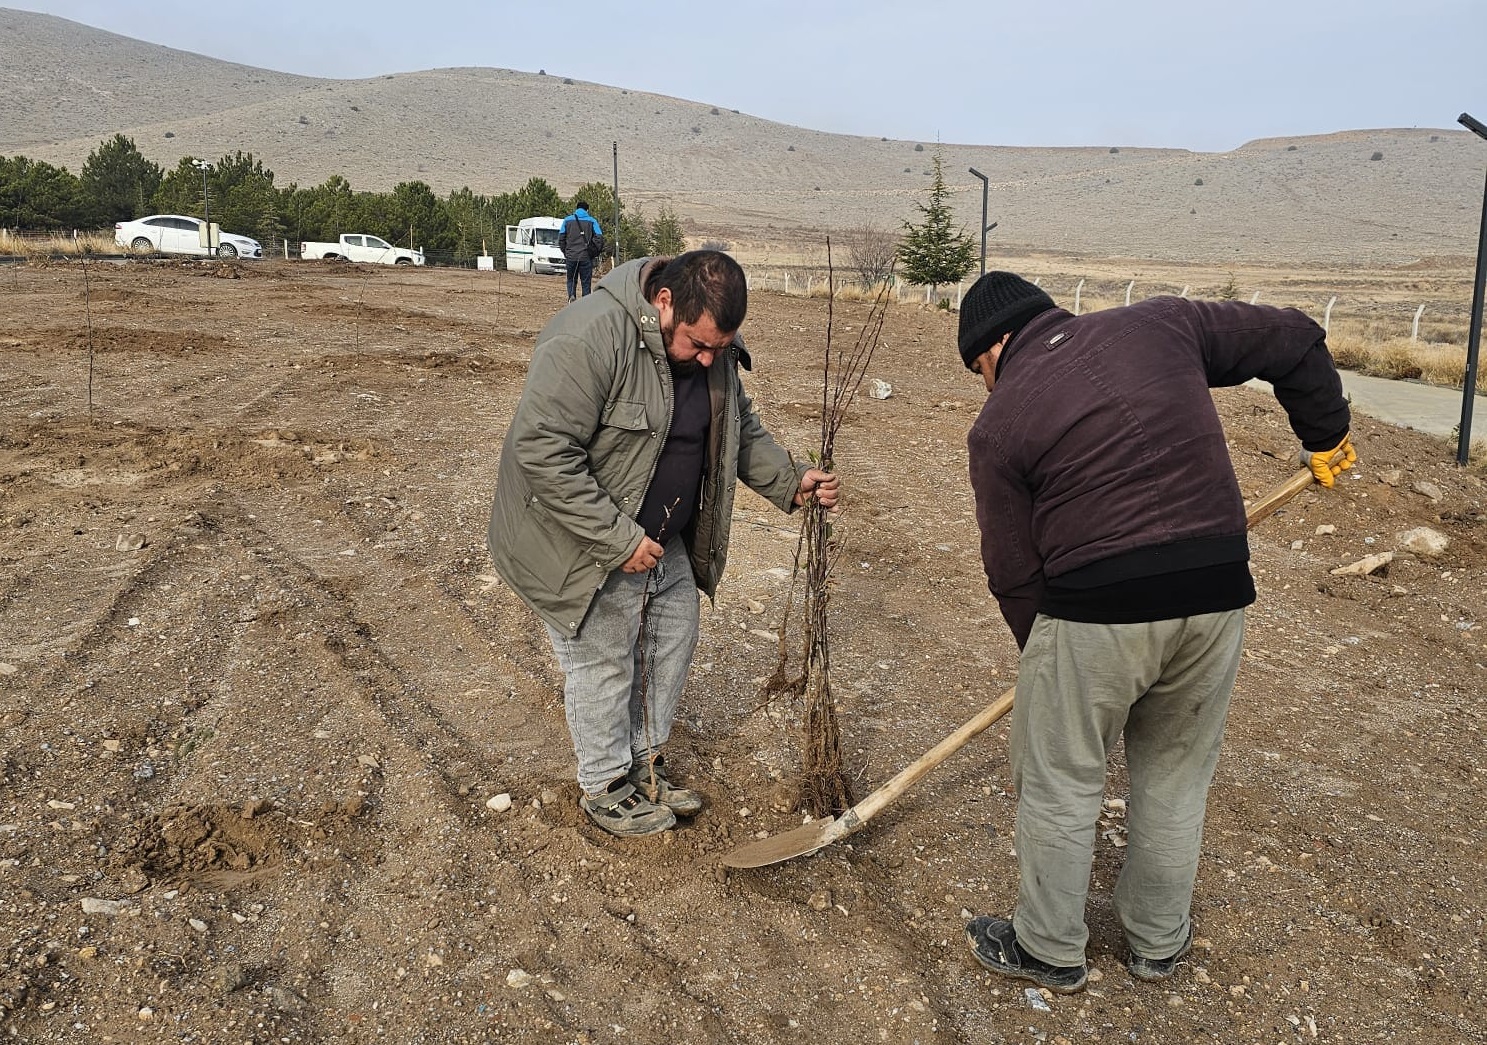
1474,335
206,203
985,189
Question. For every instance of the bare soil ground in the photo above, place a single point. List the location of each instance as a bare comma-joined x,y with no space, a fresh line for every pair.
257,684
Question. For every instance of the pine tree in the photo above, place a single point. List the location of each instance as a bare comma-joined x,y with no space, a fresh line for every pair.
666,233
936,251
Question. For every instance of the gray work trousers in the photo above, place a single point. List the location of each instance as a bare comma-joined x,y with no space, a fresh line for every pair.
1166,685
622,685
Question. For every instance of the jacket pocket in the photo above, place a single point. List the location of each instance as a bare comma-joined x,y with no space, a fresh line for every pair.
623,413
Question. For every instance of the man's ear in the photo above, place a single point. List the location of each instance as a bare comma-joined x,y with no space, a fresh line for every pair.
662,299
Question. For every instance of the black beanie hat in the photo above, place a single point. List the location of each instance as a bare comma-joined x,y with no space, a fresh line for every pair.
998,302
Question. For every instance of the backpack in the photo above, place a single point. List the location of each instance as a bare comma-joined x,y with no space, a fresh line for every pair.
579,238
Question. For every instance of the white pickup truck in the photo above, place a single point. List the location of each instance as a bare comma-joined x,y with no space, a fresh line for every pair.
358,247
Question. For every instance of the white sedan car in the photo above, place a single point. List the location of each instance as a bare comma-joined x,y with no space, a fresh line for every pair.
179,234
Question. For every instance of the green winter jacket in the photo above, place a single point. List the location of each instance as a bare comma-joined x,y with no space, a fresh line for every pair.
584,444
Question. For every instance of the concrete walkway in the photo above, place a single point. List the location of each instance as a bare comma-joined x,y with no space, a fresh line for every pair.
1409,404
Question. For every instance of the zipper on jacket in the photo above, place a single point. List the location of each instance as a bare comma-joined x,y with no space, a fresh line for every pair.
668,393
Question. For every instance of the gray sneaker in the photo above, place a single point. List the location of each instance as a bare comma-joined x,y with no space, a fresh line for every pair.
650,780
624,811
1151,969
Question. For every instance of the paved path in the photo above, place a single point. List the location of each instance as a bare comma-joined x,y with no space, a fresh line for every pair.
1409,404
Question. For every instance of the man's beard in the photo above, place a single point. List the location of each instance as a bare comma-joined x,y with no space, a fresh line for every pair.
679,367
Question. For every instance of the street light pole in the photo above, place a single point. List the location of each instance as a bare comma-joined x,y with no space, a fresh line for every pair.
985,189
206,203
1474,334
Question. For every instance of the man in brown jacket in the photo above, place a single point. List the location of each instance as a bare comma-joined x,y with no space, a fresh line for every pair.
1113,537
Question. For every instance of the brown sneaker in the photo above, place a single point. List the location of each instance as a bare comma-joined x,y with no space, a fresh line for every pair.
621,810
650,780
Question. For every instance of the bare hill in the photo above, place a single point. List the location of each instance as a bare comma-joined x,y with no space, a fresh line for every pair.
1322,198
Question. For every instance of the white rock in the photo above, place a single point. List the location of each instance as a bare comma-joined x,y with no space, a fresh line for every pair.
1364,566
500,803
518,978
1391,477
197,924
1430,490
129,542
1424,541
1325,529
1035,1000
8,669
1297,546
93,905
879,389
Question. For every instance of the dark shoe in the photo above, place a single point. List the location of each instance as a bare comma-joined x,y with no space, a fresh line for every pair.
994,943
623,811
650,780
1159,968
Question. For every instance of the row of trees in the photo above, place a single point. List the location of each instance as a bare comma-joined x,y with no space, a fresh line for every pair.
118,183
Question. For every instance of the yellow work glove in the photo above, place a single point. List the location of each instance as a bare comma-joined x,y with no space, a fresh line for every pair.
1327,465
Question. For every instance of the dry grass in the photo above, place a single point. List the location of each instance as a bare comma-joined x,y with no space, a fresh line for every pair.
34,245
1401,359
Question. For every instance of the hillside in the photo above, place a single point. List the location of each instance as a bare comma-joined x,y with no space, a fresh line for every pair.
1318,198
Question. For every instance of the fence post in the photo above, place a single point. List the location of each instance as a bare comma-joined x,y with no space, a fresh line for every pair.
1415,330
1077,292
787,283
1255,297
1327,317
1185,291
1128,291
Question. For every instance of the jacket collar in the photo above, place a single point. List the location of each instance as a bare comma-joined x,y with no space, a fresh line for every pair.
1031,332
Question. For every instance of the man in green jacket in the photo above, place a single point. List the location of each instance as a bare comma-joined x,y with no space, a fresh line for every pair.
613,505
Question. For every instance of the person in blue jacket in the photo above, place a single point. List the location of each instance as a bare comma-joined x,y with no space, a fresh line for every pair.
582,241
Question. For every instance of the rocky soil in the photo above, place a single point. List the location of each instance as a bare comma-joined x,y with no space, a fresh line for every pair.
260,697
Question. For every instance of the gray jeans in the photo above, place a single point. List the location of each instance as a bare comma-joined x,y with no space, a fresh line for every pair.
622,687
1166,686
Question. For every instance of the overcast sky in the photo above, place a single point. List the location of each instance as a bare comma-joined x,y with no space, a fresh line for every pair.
1192,74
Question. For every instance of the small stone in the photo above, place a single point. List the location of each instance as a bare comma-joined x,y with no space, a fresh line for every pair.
1364,566
197,924
518,978
112,745
93,905
820,901
1201,975
130,542
1236,991
1391,477
1094,975
87,952
1174,1001
7,669
1424,541
1297,546
57,803
1429,490
500,803
146,1013
755,606
1325,529
879,389
1034,1000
